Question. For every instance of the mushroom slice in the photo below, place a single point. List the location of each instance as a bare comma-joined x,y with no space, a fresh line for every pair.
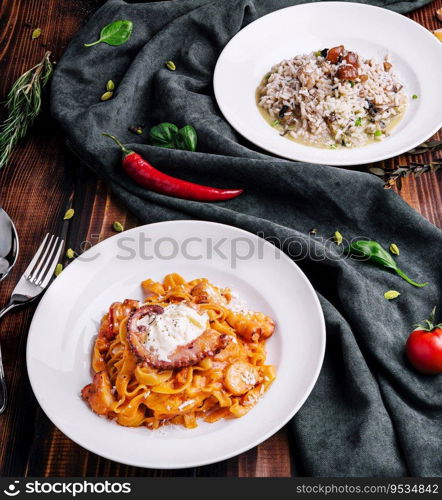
209,343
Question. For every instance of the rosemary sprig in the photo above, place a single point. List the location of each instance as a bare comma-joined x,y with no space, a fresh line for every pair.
23,104
427,147
392,177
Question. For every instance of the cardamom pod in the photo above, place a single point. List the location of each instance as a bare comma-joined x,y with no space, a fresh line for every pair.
70,253
391,294
394,249
171,65
106,96
337,236
110,85
36,33
58,269
69,214
118,227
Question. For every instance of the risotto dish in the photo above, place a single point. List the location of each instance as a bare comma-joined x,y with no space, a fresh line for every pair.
332,98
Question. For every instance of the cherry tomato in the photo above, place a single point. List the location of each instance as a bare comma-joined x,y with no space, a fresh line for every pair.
424,347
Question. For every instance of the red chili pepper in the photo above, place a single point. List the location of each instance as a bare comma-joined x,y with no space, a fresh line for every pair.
147,176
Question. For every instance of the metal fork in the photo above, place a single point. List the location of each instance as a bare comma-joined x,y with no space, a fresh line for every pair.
33,282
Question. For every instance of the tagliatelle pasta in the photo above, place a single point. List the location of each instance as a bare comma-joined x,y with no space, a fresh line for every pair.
224,383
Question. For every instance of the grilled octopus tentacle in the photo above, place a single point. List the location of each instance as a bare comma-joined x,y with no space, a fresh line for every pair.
209,343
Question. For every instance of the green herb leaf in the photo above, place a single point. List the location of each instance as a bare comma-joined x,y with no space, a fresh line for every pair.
23,105
115,33
58,269
69,214
275,123
358,121
333,146
378,133
391,294
164,135
415,96
374,252
118,227
186,138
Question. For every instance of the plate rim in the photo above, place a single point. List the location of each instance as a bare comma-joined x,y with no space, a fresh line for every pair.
167,466
294,157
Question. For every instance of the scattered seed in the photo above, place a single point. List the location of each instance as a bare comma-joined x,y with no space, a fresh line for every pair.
110,85
36,33
58,269
136,129
391,294
70,254
337,236
106,96
171,65
118,227
69,214
333,146
394,249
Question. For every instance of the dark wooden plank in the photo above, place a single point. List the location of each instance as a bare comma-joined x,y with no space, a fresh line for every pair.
35,189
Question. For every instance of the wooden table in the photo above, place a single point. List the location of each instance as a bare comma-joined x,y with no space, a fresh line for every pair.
35,189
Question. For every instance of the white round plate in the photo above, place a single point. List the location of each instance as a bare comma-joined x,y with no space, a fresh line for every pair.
370,31
65,325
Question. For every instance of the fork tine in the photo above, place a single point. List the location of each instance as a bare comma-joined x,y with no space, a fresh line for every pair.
33,275
46,260
52,265
34,260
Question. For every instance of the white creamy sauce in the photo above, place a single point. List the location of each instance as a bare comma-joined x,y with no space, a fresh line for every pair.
237,304
178,325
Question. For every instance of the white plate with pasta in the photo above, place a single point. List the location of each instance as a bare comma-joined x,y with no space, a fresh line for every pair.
176,344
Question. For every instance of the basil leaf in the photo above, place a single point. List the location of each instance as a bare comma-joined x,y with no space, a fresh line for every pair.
164,135
115,33
186,138
374,252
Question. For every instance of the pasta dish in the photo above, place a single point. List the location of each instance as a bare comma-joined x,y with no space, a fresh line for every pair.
191,350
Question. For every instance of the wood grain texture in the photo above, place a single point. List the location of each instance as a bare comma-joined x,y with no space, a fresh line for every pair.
35,190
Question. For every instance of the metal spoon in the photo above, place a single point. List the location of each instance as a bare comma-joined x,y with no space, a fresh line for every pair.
8,244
